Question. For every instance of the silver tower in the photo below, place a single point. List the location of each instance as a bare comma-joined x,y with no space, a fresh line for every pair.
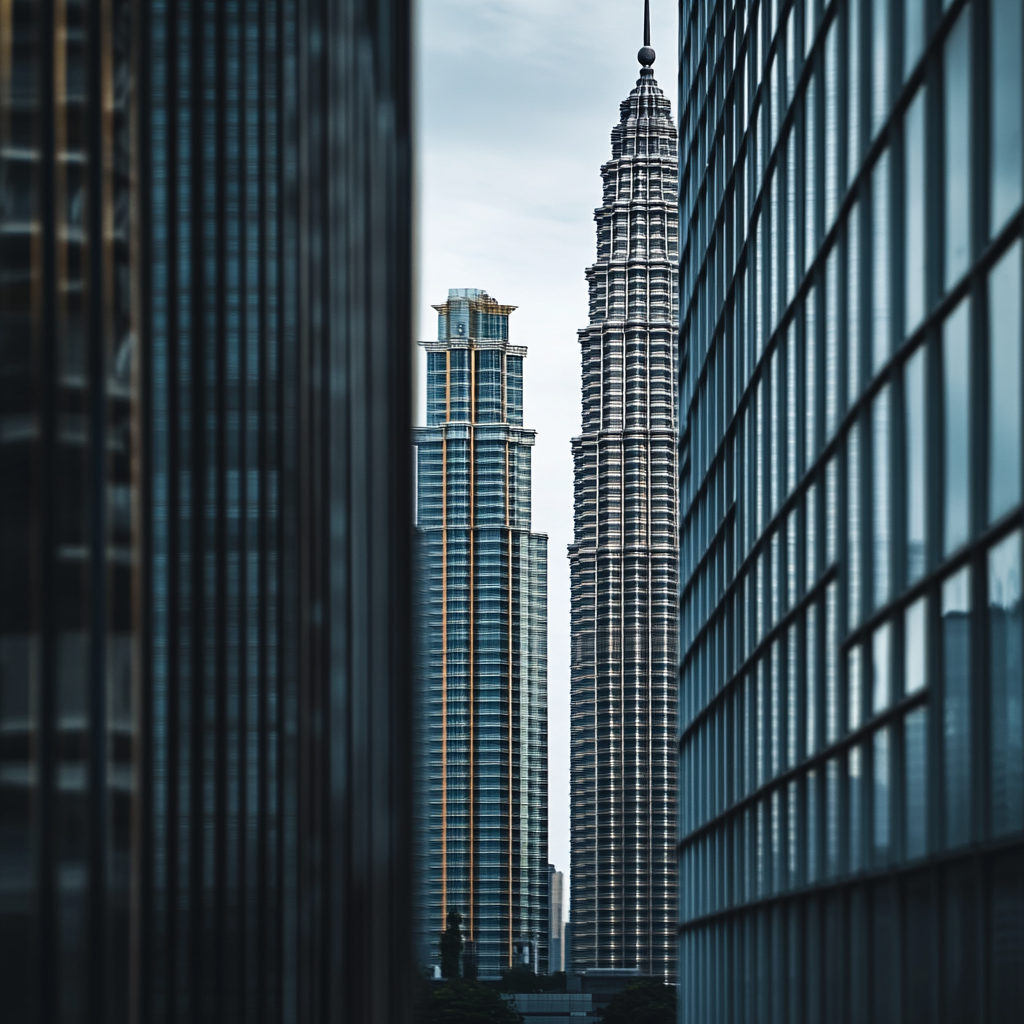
624,559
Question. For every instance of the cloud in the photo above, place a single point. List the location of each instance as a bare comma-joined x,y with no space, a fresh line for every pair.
516,100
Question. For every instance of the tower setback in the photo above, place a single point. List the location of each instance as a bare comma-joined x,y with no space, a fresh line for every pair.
483,646
624,559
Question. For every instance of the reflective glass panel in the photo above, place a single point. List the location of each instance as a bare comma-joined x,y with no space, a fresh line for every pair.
855,796
881,300
914,207
957,107
1007,715
956,653
914,626
881,490
1004,403
1007,91
913,33
915,758
881,668
914,434
882,831
956,417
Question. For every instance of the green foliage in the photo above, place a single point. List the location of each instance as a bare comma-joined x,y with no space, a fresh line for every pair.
467,1002
646,1002
451,945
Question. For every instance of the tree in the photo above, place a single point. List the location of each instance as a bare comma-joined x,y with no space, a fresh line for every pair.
467,1002
519,979
451,945
646,1002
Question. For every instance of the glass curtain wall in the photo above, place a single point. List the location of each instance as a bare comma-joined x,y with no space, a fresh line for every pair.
851,742
205,511
482,622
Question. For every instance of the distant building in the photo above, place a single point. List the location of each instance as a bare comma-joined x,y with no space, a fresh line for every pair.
556,925
851,685
483,646
624,559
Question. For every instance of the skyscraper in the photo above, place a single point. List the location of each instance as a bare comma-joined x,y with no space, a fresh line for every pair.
623,560
205,512
851,714
483,656
556,921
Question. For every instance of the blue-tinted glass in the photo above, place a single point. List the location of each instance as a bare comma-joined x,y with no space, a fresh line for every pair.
914,199
914,666
831,124
1004,402
812,827
915,770
914,434
956,420
832,812
855,688
881,755
881,488
855,796
853,87
811,381
913,33
813,679
1007,114
854,272
956,653
881,246
811,191
832,342
879,63
957,146
853,526
881,668
1007,715
831,666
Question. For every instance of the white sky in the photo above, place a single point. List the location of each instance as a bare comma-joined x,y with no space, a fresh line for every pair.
515,103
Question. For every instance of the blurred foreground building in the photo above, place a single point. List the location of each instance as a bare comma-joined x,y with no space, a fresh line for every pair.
482,620
205,512
624,560
851,741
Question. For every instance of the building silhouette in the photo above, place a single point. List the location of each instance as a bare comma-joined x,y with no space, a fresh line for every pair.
851,743
556,921
624,558
205,512
482,617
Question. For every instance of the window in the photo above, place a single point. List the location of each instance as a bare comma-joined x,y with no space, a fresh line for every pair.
957,107
956,396
1007,87
914,204
914,433
881,755
956,653
913,34
915,773
881,299
914,650
1004,405
1007,715
881,495
881,668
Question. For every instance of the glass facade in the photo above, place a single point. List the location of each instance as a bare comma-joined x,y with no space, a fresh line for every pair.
624,559
482,613
205,510
850,746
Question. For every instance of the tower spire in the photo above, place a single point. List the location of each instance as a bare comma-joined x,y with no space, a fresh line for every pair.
646,54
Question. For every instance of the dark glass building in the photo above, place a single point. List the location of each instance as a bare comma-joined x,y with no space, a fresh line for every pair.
482,616
624,559
205,511
851,731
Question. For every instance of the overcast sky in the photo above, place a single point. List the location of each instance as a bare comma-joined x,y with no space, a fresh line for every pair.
516,101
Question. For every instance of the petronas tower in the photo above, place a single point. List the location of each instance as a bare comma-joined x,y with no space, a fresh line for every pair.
624,559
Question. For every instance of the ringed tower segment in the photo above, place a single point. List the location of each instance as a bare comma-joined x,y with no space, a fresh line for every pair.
624,560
